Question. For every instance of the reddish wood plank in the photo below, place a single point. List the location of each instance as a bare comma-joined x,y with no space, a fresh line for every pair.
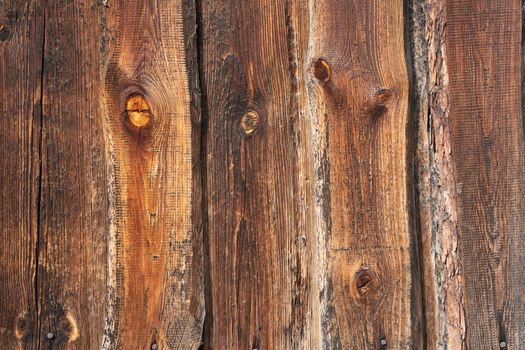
359,100
155,254
484,53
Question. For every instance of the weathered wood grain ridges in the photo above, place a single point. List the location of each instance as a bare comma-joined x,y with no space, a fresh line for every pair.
277,209
21,41
73,200
258,230
359,102
157,262
484,61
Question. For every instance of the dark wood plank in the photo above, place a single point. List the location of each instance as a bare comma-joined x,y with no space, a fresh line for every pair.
359,90
21,40
258,176
73,216
155,253
484,55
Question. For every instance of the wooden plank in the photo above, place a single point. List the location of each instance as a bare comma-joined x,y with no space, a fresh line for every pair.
484,55
155,258
359,91
73,218
261,246
20,68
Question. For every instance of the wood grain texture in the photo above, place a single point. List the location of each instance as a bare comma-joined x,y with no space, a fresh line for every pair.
359,100
20,70
260,243
73,218
484,55
155,262
280,209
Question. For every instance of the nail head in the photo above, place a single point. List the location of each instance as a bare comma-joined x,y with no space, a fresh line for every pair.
50,335
503,345
383,341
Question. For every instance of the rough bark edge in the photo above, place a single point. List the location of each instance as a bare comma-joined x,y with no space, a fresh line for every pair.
437,193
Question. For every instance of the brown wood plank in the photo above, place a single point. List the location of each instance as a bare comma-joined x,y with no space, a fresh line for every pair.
73,201
484,54
258,176
20,69
155,254
359,91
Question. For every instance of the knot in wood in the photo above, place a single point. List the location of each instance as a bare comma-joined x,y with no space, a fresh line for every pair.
138,111
321,70
68,326
365,282
381,99
249,122
22,324
383,96
5,33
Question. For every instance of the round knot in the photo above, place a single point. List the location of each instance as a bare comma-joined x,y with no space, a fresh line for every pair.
21,326
379,102
5,33
321,70
68,326
365,283
249,122
138,111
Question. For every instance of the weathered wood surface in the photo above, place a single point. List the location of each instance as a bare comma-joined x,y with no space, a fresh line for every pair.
471,181
359,101
73,195
106,237
442,283
484,53
155,261
21,42
259,275
297,174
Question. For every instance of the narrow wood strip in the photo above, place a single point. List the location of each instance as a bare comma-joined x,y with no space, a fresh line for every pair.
21,40
484,55
259,230
73,201
359,91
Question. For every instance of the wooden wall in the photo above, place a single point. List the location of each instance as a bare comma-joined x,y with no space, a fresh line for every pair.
270,174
